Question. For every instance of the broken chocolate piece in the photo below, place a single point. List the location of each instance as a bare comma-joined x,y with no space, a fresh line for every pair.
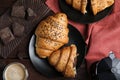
18,29
18,11
31,14
6,35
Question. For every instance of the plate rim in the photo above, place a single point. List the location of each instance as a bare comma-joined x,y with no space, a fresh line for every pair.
108,10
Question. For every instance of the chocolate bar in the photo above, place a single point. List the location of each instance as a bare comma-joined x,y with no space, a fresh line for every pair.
6,35
18,29
18,11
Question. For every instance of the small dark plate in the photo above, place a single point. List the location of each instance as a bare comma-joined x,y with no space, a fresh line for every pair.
44,67
77,16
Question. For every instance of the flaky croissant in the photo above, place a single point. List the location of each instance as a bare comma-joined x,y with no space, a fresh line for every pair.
64,59
51,34
78,5
100,5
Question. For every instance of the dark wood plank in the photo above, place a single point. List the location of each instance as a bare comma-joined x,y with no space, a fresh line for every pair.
5,4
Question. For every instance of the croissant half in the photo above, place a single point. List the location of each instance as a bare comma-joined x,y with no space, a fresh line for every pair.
64,59
51,34
100,5
96,5
78,5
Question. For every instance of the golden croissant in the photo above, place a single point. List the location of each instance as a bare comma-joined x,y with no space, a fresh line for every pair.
51,34
64,60
78,5
100,5
96,5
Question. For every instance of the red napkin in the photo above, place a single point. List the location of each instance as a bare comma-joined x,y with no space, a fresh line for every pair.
53,5
102,36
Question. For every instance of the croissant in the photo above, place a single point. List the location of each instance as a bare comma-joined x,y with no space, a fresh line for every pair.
51,34
64,59
78,5
100,5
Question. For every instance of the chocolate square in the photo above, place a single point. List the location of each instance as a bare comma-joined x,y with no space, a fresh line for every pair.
18,29
6,35
18,11
30,14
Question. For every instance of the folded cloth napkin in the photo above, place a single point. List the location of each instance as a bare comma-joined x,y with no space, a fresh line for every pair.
53,5
102,36
106,69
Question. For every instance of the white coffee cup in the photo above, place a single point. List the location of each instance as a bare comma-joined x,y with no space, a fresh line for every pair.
15,71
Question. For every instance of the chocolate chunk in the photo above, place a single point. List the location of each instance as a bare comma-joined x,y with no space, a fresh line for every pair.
31,14
6,35
18,11
18,29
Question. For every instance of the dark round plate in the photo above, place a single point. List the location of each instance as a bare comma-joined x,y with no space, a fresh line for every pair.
77,16
44,67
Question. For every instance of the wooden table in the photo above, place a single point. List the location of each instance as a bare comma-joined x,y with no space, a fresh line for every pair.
20,54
